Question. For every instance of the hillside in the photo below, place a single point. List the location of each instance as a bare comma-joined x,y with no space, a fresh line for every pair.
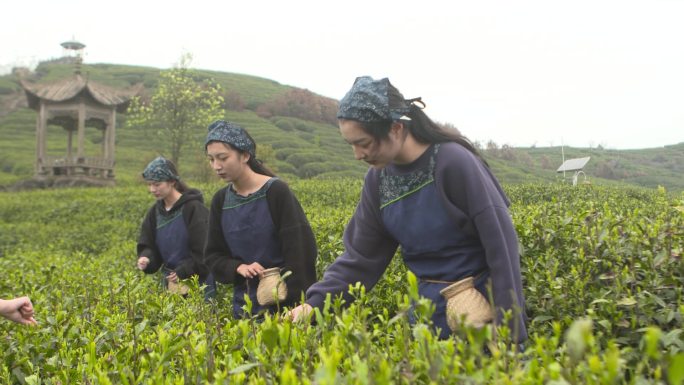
297,135
646,167
296,124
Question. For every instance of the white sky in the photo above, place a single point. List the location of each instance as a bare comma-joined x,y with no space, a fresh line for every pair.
546,72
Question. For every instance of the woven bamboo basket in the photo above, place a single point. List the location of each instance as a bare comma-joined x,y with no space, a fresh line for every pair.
178,288
270,288
466,304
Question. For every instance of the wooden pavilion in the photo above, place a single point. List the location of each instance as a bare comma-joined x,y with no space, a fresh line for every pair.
75,103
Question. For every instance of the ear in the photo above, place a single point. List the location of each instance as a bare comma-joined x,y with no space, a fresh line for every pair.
245,156
396,129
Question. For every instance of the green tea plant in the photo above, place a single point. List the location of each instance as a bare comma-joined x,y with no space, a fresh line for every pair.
602,270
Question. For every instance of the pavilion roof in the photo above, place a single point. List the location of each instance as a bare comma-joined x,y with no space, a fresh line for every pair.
68,88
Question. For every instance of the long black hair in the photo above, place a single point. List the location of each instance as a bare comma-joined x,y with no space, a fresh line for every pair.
259,167
255,164
424,129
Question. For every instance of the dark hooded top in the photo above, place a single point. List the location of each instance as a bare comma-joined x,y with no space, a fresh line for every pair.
294,237
195,216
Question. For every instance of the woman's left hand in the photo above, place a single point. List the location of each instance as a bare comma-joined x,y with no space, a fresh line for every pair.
250,271
172,277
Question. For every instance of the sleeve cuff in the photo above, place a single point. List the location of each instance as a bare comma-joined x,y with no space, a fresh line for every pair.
316,300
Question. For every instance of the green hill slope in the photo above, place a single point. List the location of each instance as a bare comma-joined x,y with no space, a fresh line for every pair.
292,144
646,167
296,132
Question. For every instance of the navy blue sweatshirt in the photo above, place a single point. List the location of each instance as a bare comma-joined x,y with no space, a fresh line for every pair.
471,196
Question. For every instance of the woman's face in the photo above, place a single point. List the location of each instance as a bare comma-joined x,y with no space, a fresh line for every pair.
377,153
227,162
160,190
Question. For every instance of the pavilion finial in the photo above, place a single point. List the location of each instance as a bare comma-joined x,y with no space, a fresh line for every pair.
74,49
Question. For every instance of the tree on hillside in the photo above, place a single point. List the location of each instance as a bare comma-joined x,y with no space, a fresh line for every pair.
508,153
492,149
302,104
545,162
233,101
179,111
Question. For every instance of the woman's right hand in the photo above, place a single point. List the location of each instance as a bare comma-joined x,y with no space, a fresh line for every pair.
300,312
143,262
250,271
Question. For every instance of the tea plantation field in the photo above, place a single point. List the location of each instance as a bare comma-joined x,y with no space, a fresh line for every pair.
602,269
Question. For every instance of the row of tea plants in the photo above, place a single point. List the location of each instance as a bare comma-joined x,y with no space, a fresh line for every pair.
602,270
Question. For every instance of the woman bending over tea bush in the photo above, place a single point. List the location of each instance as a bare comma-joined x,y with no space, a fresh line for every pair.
428,191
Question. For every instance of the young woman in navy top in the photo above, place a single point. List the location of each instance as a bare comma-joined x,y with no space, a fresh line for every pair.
255,223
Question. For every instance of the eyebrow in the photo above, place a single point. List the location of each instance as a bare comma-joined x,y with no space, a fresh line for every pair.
357,141
217,154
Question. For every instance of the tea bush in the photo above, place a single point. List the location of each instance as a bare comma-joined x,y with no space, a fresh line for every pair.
602,270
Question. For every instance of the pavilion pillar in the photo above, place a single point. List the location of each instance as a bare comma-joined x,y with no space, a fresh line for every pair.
81,128
105,136
111,136
41,125
70,140
105,147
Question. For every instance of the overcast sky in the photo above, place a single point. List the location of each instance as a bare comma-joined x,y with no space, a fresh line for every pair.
581,73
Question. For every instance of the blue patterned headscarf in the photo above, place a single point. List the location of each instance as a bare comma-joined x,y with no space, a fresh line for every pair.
159,170
231,133
368,101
